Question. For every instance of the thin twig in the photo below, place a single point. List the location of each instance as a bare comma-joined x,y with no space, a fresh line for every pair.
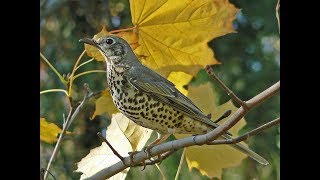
71,116
189,141
277,14
228,91
110,146
42,172
246,135
180,164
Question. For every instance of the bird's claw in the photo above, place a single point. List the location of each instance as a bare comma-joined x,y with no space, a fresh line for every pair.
147,149
131,154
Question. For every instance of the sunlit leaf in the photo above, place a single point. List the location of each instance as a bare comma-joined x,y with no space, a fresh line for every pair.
49,131
173,35
210,160
124,136
104,104
180,79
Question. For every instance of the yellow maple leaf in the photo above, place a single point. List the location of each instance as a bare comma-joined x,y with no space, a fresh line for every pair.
92,51
49,131
210,160
124,136
179,79
104,104
173,35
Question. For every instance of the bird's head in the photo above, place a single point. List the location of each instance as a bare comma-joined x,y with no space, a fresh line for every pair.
113,48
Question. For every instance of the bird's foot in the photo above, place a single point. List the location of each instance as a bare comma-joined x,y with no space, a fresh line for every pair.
131,154
147,149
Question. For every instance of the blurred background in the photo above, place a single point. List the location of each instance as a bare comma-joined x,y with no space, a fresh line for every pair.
250,64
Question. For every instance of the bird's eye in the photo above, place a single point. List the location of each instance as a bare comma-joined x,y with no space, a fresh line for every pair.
109,41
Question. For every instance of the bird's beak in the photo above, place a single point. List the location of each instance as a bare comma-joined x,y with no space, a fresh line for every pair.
89,41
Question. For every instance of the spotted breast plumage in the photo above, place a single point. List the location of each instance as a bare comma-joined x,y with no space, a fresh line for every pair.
150,100
146,110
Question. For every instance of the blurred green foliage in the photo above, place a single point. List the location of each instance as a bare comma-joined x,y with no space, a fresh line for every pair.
250,63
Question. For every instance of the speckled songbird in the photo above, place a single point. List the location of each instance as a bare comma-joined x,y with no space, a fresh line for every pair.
150,100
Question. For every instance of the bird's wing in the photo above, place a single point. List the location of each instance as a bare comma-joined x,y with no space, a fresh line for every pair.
163,90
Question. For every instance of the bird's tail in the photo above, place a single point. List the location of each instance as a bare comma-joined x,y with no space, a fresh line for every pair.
247,151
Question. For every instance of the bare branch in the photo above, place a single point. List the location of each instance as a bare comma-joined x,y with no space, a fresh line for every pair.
141,156
110,146
246,135
224,87
71,116
152,162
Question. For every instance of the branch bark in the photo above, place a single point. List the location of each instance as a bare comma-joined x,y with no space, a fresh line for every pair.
189,141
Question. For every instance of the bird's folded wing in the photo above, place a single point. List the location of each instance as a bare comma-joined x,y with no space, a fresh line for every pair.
165,91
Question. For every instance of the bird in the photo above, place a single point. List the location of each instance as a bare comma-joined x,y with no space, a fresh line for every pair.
149,99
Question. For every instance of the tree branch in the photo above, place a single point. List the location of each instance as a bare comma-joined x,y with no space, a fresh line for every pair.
115,152
66,125
246,135
188,141
224,87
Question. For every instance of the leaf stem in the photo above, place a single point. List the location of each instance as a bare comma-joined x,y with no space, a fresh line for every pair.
88,72
180,164
84,63
161,172
54,69
53,90
123,30
72,73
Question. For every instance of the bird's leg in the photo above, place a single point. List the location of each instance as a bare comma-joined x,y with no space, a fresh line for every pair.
160,139
131,154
